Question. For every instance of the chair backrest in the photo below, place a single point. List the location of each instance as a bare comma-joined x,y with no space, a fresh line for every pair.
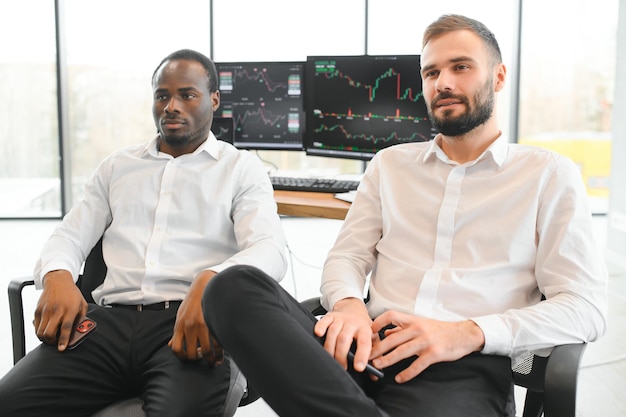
530,374
551,382
94,271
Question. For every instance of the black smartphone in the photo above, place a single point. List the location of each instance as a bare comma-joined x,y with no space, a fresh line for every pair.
83,327
369,367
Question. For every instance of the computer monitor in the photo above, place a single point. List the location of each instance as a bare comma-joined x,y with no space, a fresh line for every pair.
265,101
357,105
224,129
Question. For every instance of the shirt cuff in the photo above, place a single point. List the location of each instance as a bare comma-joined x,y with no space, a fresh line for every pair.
498,339
329,300
41,271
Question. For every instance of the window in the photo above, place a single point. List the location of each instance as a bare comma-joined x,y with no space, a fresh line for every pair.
29,163
567,82
113,48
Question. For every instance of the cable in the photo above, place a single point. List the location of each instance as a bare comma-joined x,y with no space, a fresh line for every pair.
301,261
293,256
293,273
265,161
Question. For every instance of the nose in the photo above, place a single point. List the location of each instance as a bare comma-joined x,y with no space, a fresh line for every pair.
171,105
444,81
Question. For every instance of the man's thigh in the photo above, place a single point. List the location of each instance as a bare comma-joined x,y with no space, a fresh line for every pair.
74,382
173,387
477,385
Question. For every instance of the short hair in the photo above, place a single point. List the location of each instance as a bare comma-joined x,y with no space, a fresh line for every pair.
191,55
453,22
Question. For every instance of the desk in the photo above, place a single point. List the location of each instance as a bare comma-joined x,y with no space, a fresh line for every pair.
310,204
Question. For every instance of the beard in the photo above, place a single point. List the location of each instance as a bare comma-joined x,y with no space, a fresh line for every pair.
190,133
484,100
175,139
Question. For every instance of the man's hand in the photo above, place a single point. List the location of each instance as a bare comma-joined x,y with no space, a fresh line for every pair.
432,341
59,305
191,339
348,322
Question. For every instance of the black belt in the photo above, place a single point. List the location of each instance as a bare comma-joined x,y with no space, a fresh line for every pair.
164,305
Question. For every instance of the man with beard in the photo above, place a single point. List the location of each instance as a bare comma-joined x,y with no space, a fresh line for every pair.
172,213
452,243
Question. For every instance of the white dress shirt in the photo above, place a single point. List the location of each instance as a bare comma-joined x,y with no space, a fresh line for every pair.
480,240
165,219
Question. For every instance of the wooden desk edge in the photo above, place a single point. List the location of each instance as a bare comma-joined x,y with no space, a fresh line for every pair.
309,204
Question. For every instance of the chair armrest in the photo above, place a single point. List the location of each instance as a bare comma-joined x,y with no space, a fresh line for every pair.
561,380
16,308
314,306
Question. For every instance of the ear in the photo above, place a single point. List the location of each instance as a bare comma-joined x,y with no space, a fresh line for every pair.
500,76
215,97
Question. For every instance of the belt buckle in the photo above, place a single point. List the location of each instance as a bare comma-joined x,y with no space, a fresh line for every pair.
139,307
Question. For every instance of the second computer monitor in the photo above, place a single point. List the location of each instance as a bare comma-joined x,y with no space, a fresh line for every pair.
357,105
265,101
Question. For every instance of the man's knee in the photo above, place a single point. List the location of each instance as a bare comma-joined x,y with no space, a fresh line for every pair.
233,284
228,292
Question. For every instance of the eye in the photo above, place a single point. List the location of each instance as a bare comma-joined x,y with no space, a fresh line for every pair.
189,96
160,97
430,74
462,67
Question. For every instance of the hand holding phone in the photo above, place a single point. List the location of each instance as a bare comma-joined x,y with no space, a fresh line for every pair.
368,367
83,327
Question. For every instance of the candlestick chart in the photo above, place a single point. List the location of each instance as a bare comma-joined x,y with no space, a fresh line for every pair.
357,105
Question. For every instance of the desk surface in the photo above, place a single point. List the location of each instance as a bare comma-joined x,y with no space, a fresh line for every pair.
308,204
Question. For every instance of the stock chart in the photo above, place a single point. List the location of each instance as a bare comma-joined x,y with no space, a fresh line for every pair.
264,99
357,105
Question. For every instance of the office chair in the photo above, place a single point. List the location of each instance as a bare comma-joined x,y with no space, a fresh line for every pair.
93,274
550,382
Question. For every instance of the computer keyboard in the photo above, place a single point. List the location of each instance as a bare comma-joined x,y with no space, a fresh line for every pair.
323,185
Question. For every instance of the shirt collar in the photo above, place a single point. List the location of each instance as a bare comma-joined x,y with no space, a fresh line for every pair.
497,151
209,146
435,151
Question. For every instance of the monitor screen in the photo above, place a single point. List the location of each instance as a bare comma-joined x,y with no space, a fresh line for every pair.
357,105
265,101
223,128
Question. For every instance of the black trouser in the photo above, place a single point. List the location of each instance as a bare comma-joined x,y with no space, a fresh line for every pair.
270,336
126,356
